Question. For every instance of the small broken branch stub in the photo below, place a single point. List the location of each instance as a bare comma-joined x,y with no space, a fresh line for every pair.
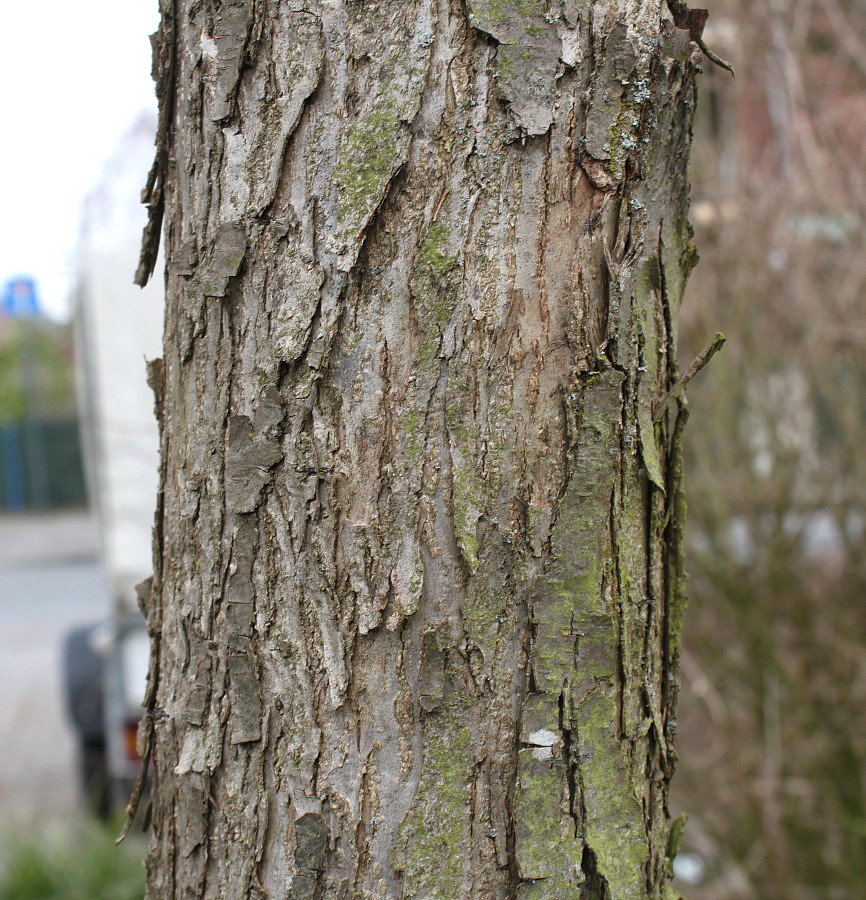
699,363
694,21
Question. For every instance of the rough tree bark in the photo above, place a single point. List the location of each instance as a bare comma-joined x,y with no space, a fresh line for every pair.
418,580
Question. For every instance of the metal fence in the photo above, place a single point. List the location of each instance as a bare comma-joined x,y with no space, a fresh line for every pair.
41,465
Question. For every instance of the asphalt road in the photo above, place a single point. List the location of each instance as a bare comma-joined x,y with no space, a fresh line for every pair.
50,581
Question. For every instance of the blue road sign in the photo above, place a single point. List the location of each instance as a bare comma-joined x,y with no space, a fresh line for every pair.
20,298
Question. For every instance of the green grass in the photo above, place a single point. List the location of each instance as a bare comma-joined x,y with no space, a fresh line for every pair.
86,866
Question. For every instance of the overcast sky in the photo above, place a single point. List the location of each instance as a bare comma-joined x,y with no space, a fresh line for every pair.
74,78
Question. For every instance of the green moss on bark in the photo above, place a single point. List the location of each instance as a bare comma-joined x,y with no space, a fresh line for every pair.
435,834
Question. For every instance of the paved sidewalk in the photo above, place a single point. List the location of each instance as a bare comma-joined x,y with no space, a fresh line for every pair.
50,581
54,537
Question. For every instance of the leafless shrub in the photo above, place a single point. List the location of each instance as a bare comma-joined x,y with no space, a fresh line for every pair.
773,733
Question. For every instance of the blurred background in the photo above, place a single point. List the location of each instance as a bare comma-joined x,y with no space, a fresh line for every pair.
78,449
772,719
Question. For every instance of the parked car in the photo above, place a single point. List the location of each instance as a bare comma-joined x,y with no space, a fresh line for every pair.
104,674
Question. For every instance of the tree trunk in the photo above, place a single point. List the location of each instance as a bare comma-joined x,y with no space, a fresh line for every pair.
418,581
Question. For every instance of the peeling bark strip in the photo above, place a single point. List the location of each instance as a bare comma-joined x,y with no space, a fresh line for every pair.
418,583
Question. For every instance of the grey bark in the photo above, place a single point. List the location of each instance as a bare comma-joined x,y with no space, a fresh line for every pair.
417,592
